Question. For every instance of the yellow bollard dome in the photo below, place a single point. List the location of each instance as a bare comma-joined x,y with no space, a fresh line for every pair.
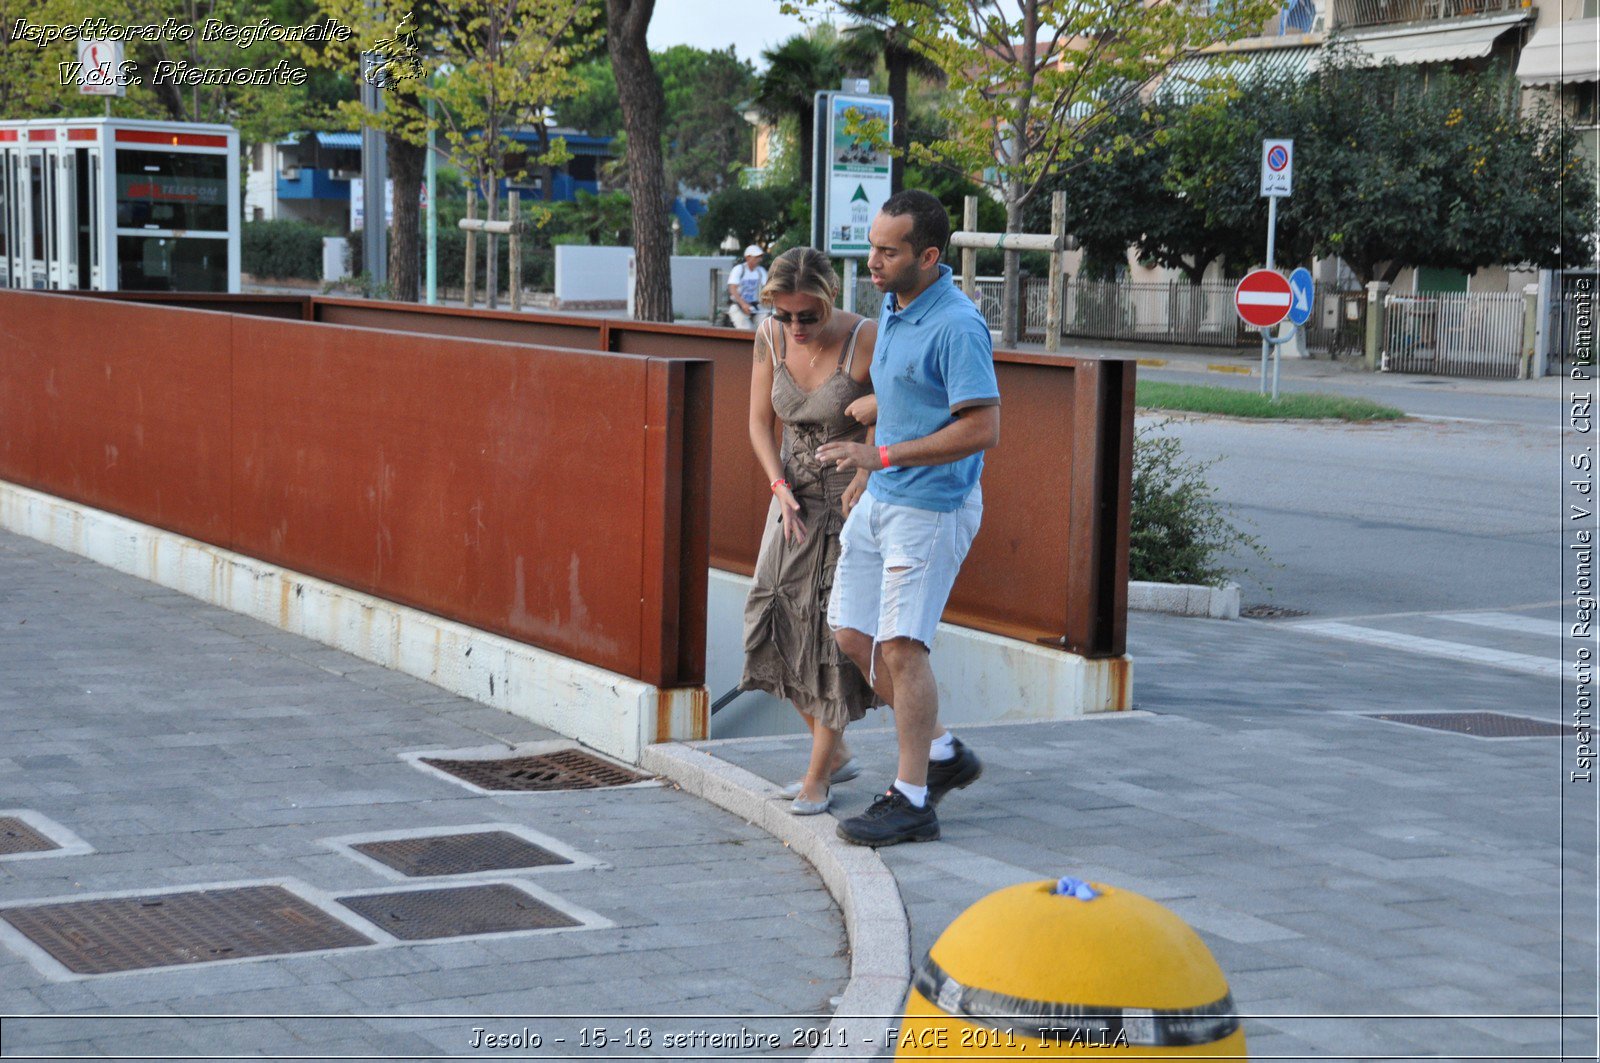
1093,971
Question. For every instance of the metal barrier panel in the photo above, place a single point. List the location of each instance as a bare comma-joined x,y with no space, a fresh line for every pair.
554,496
106,403
1051,561
288,307
1455,334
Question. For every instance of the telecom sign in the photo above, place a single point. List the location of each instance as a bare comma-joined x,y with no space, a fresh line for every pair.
99,68
1277,168
1263,298
1302,289
858,180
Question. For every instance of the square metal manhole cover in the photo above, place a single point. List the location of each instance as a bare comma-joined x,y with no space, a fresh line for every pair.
459,854
164,930
17,837
459,911
1476,724
565,769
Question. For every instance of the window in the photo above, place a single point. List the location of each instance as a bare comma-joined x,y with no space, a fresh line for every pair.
1591,8
172,190
165,264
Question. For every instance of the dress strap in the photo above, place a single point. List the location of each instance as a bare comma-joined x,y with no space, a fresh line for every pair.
847,357
781,347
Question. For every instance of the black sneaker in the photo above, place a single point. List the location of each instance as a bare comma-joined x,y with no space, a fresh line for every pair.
960,771
889,820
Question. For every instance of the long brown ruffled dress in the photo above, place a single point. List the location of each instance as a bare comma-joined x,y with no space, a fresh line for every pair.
789,648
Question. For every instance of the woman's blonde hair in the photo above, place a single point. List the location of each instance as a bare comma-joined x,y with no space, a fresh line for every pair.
803,271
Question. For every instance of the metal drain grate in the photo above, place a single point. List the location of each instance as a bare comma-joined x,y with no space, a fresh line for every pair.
133,933
461,911
1270,612
459,854
1476,724
17,837
567,769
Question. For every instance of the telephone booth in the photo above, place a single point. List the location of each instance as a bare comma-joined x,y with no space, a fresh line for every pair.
115,204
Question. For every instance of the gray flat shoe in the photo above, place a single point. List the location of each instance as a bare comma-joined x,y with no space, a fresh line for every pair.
847,771
802,807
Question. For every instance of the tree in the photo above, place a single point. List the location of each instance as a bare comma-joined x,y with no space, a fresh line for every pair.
878,34
1032,78
796,71
640,96
706,136
749,215
491,67
1396,168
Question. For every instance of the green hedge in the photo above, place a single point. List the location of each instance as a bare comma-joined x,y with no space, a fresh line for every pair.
282,249
538,263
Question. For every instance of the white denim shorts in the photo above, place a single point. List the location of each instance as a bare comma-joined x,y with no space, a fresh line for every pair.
897,565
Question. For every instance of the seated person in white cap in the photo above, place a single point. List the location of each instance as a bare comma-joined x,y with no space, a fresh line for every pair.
745,282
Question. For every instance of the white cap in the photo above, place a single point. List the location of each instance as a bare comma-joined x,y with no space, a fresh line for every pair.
754,249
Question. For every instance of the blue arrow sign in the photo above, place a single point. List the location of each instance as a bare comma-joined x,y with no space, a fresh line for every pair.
1302,288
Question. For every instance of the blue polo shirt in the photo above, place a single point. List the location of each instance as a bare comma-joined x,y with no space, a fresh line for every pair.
930,359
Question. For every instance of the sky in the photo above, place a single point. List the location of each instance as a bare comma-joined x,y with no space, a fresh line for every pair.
711,24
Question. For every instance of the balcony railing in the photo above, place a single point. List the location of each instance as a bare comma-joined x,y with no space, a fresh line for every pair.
1353,14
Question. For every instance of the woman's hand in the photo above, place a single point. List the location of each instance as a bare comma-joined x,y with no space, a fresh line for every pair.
853,492
794,529
864,409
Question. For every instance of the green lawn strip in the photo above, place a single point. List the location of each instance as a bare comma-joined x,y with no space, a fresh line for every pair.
1195,398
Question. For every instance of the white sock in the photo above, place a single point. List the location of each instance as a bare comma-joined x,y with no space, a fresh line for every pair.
917,795
943,747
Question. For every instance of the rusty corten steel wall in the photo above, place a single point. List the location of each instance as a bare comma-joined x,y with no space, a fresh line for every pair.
554,496
103,402
1051,561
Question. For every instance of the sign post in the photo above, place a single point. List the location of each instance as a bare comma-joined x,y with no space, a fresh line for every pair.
1277,182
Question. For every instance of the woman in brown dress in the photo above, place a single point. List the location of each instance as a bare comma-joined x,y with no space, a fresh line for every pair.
810,373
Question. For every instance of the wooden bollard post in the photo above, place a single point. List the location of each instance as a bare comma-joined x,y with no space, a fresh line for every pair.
515,249
1058,229
472,242
969,255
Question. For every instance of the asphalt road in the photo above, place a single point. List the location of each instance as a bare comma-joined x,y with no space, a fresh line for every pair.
1388,517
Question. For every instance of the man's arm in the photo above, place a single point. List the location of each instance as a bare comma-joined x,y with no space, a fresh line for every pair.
975,428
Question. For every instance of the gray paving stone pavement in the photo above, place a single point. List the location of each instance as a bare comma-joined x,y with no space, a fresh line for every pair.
191,746
1369,889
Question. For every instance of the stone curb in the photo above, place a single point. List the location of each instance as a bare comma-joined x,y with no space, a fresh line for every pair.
874,916
1185,599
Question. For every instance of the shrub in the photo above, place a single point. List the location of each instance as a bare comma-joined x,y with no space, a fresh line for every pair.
1179,532
282,248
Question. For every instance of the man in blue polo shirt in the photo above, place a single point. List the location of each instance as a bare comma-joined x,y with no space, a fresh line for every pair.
902,545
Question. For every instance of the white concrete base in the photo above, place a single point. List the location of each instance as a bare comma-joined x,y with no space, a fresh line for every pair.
1185,599
612,713
983,678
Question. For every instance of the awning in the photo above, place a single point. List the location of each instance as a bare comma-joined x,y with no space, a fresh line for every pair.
1432,43
339,140
1191,78
1565,52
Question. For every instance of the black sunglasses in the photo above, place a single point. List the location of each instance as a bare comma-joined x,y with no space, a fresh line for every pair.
783,317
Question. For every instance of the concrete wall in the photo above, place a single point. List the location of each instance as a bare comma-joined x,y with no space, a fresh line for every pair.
592,274
983,678
600,274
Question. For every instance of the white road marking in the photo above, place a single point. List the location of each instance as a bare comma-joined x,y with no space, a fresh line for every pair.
1523,625
1455,651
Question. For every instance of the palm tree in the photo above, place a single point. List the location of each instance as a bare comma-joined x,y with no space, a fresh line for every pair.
796,71
877,33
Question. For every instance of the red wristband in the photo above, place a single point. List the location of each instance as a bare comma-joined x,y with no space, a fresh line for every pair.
777,482
883,456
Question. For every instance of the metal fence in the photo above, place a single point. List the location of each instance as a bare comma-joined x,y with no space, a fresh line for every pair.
1465,334
1569,329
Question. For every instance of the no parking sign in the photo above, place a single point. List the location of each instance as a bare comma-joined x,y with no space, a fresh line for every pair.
1277,168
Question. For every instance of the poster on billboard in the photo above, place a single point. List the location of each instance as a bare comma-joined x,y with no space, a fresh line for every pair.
858,175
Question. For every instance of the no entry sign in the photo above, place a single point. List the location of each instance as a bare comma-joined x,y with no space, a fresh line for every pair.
1263,298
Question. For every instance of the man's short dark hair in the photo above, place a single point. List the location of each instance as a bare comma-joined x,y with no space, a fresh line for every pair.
930,225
